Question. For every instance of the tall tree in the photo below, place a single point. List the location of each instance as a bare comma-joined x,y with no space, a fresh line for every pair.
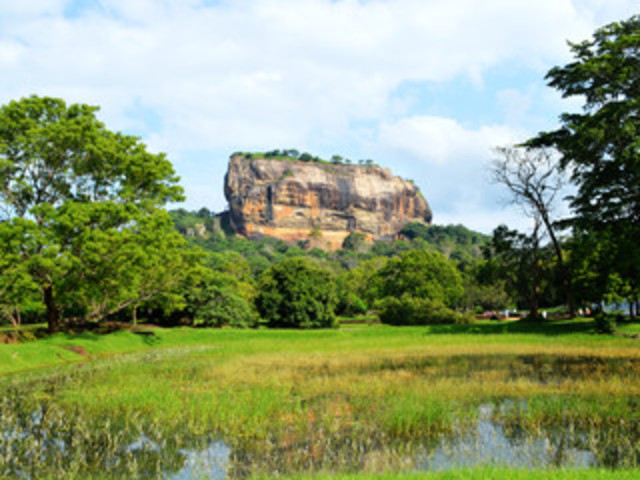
600,146
82,206
532,178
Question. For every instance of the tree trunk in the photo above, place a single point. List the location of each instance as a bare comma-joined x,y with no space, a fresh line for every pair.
14,317
564,274
535,298
534,312
135,315
53,316
535,291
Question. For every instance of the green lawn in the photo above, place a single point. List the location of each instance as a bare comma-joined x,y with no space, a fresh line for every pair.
50,351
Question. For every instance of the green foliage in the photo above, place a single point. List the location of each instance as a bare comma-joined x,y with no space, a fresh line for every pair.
259,254
605,323
358,258
440,234
600,147
219,291
533,180
408,310
518,265
297,293
420,274
350,304
484,288
82,209
455,241
19,292
355,264
355,241
222,305
227,292
359,280
294,155
417,288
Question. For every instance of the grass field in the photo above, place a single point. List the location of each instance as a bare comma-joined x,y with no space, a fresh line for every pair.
365,397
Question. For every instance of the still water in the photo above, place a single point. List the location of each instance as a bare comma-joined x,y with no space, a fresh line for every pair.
48,441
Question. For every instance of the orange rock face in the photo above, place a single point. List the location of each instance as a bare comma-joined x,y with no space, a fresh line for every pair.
322,203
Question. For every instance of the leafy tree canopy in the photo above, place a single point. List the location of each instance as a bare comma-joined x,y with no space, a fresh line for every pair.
297,293
81,211
601,145
421,274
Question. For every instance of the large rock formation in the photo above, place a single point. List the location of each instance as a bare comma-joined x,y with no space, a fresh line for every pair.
323,203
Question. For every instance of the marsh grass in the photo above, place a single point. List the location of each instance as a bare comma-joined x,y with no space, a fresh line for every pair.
369,399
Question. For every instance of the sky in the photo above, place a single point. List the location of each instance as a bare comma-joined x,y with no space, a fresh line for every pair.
427,88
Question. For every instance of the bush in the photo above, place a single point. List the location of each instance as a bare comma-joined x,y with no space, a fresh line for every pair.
354,241
297,293
409,310
420,274
605,323
224,306
220,295
351,304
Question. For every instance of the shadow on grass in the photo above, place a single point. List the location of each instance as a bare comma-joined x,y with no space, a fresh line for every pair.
85,336
547,327
148,338
95,334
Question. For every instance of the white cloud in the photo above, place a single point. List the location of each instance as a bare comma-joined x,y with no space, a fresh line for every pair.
286,73
451,165
10,53
444,141
515,104
306,65
31,7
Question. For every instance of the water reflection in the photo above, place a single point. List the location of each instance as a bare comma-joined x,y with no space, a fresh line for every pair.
50,442
211,463
489,443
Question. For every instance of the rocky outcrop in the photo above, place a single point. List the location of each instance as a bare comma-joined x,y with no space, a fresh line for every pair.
322,203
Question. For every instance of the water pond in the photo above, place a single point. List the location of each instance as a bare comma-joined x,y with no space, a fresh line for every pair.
39,437
50,441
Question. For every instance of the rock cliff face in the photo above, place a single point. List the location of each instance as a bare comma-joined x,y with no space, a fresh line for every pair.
322,203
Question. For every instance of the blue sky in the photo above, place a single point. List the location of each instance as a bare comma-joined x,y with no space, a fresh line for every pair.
425,87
